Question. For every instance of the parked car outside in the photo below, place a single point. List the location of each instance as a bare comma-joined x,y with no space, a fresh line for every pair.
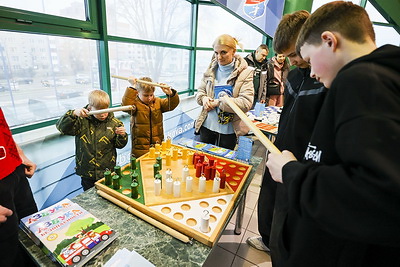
6,87
45,83
62,82
58,82
25,81
68,93
82,79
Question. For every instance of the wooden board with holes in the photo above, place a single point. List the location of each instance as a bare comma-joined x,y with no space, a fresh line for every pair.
182,213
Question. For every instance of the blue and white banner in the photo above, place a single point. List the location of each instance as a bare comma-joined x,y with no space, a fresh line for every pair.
265,14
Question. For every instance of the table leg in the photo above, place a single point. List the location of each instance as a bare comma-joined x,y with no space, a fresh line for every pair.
239,215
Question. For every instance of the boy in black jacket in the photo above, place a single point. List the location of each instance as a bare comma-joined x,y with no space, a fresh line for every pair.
344,197
303,99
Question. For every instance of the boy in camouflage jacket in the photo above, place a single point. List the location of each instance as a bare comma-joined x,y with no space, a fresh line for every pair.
96,138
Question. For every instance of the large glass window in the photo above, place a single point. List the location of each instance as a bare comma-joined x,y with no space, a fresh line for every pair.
203,59
373,14
154,20
386,35
43,76
214,21
74,9
161,64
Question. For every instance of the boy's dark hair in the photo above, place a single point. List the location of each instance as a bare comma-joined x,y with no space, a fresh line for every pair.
345,18
288,30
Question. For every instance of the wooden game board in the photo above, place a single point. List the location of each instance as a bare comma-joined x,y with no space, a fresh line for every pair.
182,213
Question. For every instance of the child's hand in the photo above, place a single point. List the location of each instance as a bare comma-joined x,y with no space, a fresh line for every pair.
30,167
166,90
120,130
132,81
81,112
4,213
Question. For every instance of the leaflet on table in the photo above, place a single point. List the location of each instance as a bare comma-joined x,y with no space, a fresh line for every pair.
212,149
191,143
216,150
267,127
126,258
71,235
259,109
230,155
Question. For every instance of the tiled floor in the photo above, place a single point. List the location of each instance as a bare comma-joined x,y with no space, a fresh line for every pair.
232,249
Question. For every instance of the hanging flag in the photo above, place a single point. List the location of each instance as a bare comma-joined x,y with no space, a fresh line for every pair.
265,14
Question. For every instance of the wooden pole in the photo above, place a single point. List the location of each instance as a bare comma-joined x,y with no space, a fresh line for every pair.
106,110
263,139
146,218
141,81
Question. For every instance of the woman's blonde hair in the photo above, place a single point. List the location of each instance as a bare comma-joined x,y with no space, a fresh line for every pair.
99,99
226,39
145,87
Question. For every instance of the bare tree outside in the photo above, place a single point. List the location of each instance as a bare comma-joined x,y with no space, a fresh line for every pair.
151,20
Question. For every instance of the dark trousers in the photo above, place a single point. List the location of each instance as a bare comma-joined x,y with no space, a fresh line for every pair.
222,140
265,208
16,195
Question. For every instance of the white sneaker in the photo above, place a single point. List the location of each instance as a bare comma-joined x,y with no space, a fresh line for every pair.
256,242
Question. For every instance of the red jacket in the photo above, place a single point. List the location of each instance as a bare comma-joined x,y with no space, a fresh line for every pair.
9,157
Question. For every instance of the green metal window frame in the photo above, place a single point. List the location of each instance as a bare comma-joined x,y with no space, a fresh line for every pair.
388,10
95,28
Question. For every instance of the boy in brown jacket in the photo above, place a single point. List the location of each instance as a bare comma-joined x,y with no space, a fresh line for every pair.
147,116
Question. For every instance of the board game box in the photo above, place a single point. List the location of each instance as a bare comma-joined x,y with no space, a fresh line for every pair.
67,233
188,190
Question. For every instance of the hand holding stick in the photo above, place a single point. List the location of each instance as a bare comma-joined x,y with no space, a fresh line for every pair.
106,110
141,81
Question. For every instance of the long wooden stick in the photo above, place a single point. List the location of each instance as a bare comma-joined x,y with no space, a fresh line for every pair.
106,110
263,139
141,81
146,218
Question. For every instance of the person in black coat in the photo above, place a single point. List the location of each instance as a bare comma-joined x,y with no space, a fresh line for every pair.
258,60
344,193
304,98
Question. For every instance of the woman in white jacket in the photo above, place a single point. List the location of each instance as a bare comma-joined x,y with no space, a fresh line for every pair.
228,73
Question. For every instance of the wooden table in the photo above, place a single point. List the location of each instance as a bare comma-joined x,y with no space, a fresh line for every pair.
135,234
